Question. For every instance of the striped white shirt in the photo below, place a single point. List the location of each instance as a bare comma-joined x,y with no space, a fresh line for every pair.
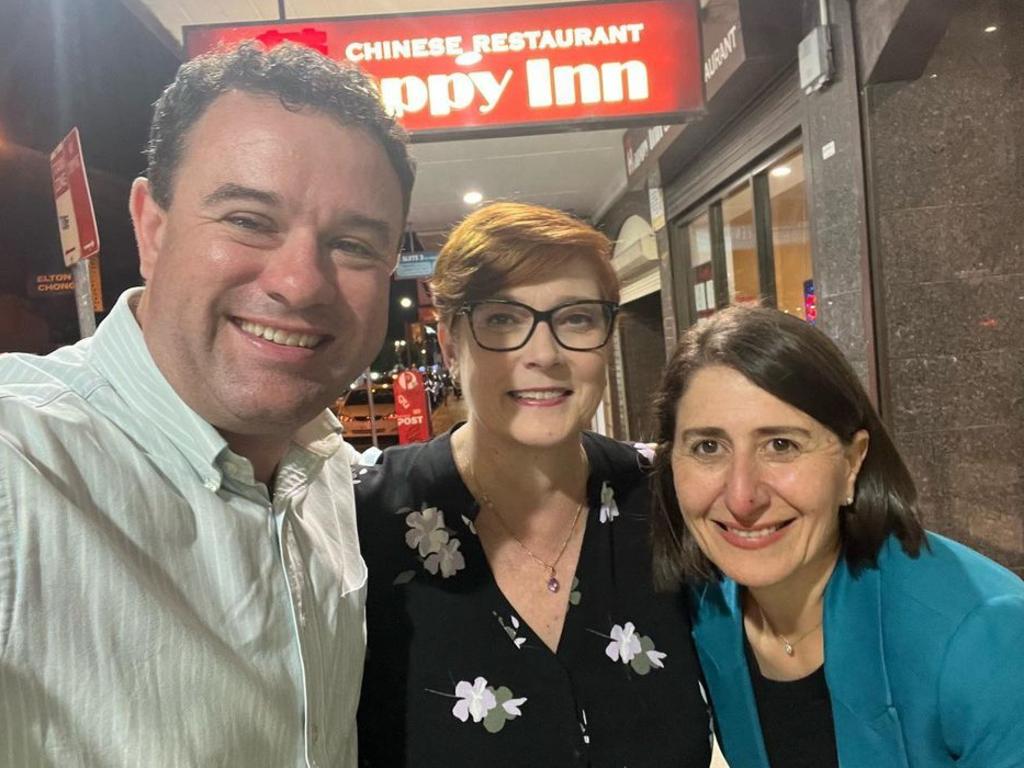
158,607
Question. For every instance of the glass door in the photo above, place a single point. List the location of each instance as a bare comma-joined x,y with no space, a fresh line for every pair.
791,238
698,238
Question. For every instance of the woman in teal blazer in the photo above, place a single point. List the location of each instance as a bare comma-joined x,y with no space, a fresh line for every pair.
831,628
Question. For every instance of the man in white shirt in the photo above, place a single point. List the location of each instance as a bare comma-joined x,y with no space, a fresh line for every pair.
180,579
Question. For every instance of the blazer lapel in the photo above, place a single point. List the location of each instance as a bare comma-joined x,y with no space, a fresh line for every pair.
718,635
868,731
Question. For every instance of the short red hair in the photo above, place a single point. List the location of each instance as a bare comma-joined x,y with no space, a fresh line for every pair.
506,244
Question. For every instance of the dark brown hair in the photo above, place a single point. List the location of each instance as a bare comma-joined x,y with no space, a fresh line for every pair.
505,244
799,365
298,76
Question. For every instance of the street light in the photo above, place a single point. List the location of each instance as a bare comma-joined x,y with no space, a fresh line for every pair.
400,351
405,302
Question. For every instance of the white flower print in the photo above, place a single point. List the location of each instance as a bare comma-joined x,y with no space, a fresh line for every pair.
649,657
475,700
646,451
625,643
485,704
447,559
583,726
609,509
426,532
511,707
655,658
511,629
630,647
437,548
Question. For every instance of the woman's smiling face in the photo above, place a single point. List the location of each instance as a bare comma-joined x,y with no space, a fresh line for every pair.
759,482
541,394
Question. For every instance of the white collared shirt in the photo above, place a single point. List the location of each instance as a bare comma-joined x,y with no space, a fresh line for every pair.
158,606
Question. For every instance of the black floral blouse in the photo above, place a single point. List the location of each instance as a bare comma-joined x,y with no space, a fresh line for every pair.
453,677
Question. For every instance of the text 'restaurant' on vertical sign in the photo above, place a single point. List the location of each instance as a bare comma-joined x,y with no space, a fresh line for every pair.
510,70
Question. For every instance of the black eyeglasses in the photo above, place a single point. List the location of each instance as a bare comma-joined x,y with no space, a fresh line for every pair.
503,325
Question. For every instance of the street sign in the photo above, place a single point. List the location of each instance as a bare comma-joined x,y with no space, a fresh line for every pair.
415,265
76,219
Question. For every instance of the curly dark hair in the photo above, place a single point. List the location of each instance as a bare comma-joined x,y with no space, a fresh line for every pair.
800,365
299,76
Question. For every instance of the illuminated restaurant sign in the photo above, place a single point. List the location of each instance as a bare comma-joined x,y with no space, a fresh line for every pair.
510,70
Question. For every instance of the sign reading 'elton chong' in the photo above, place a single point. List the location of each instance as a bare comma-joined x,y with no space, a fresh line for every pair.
525,69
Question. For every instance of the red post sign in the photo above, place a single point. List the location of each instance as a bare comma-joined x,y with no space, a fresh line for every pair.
411,408
511,70
79,236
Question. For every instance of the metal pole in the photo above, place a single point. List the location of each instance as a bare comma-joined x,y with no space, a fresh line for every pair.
83,298
373,413
282,14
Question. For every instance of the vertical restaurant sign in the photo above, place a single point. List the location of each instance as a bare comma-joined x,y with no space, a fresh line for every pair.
513,70
76,218
724,46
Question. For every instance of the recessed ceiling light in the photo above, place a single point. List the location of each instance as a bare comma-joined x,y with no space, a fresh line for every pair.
405,301
472,198
991,28
782,170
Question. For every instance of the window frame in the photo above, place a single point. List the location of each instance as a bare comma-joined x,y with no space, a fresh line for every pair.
756,178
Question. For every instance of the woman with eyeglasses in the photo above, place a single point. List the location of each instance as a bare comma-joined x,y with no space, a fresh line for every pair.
511,615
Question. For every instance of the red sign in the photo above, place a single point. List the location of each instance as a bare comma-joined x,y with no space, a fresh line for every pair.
411,407
79,236
810,302
511,70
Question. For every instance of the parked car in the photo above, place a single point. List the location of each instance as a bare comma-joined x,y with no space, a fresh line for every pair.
353,411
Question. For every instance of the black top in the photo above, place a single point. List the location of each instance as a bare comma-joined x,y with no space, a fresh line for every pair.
454,678
796,718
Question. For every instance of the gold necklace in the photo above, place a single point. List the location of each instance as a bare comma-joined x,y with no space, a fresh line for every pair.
788,646
553,584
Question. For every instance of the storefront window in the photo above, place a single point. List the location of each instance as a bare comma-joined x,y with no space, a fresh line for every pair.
699,237
751,245
741,246
791,244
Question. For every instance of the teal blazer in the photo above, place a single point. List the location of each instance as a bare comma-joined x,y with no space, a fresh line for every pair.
924,660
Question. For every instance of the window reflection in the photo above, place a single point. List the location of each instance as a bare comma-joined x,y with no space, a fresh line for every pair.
741,246
699,238
791,244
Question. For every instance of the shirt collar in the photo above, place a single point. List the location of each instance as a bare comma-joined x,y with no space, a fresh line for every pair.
120,354
320,436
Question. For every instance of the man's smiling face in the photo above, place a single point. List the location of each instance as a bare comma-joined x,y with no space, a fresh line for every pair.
267,275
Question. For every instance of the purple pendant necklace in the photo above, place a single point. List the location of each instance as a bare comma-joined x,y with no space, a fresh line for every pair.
553,584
